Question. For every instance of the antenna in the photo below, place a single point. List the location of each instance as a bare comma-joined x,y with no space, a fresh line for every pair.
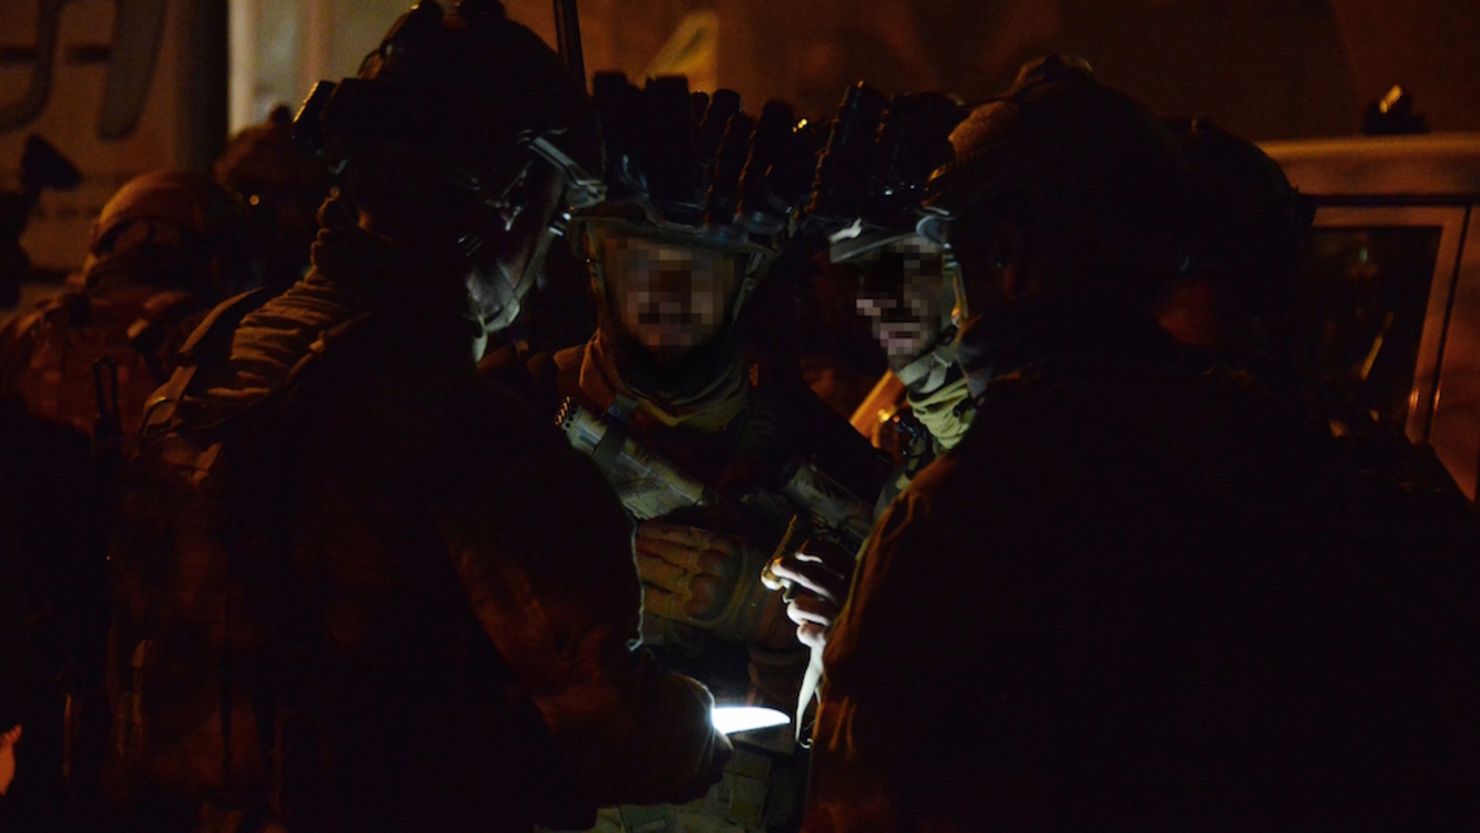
568,38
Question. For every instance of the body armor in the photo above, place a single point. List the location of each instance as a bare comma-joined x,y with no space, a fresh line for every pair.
750,650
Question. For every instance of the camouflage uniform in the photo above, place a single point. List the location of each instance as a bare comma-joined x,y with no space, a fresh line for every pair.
695,177
74,376
423,516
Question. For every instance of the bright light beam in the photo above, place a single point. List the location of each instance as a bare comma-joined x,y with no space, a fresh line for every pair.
734,719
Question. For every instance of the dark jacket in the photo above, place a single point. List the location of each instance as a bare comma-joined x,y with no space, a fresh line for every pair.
1131,599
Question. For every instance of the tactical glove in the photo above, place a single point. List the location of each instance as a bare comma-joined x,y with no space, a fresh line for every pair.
709,580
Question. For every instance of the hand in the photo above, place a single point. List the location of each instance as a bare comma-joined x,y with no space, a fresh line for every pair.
818,577
689,574
8,740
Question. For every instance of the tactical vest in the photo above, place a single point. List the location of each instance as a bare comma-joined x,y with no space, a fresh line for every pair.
763,782
91,361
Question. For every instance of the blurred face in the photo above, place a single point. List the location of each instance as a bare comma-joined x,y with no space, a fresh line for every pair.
667,297
906,294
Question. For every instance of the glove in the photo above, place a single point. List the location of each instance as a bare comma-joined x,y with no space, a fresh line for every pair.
709,580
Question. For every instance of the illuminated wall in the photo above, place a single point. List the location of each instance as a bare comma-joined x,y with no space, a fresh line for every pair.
120,87
1265,68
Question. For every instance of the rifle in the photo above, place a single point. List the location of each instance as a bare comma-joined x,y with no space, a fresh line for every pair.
810,502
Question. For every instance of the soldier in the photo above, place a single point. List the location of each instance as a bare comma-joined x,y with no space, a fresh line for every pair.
870,206
74,376
1238,306
166,248
866,201
1125,600
683,256
282,188
1234,298
355,592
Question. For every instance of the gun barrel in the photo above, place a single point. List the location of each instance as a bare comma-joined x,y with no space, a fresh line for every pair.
829,503
568,38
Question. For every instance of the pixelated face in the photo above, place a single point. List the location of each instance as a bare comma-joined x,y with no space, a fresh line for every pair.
905,292
669,298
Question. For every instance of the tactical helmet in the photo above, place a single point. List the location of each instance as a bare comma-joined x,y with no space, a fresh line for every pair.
1088,160
866,199
472,85
698,167
692,173
281,188
879,158
1252,221
175,229
479,98
263,156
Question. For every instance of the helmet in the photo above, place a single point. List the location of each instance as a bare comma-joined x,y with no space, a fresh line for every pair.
701,198
1252,221
1085,159
698,167
281,188
866,198
482,105
474,86
175,229
880,155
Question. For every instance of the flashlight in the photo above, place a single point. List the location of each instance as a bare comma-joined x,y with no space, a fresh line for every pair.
732,720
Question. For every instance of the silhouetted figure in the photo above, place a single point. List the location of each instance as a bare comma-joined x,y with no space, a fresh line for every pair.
1232,299
1134,597
282,188
74,377
362,589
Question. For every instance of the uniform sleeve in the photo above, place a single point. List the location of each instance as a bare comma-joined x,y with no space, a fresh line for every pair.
543,550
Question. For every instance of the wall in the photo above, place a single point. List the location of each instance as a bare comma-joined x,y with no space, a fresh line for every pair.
120,87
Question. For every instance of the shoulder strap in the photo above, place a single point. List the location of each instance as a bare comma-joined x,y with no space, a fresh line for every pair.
271,411
147,334
214,332
72,301
212,338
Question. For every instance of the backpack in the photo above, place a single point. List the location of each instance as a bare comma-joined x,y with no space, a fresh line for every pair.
208,614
